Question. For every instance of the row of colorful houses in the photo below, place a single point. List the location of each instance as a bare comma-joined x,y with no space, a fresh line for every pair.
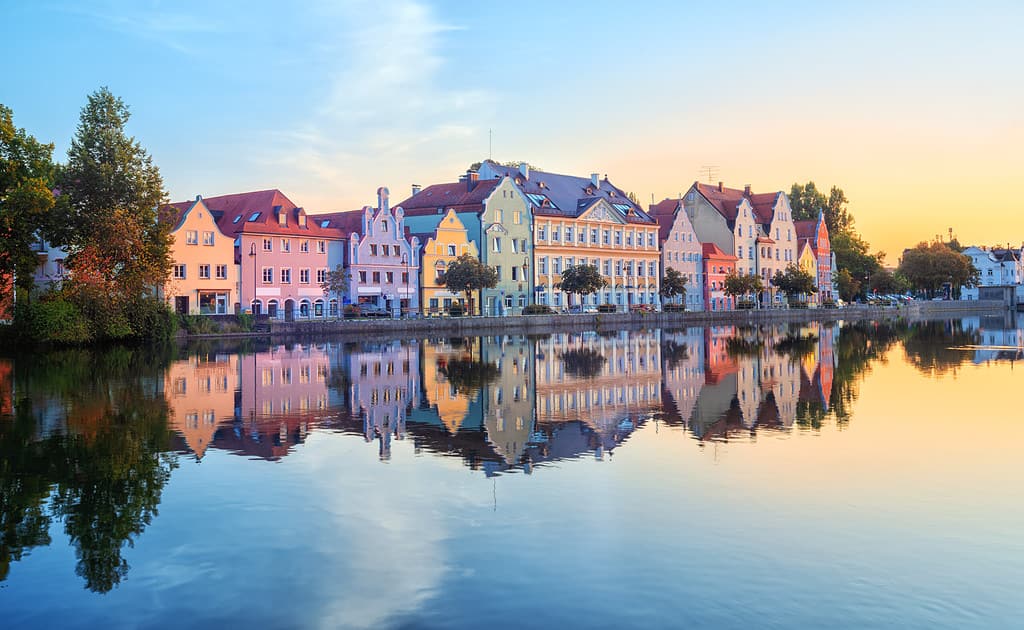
259,252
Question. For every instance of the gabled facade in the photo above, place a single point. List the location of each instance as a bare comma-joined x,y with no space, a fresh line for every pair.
498,222
580,220
813,235
680,249
717,265
382,259
204,276
777,247
441,247
282,255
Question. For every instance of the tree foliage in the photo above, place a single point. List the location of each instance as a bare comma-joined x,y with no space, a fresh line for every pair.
887,282
847,285
467,274
337,281
737,285
26,176
582,280
673,284
793,281
109,195
931,265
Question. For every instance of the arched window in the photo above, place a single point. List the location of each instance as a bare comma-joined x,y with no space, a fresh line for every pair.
304,308
257,307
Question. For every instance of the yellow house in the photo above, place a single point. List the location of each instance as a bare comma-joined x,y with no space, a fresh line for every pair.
204,277
448,240
808,262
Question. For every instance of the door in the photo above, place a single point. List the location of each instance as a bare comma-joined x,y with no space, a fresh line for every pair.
181,304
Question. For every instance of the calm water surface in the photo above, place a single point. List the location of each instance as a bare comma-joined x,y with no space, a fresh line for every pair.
854,475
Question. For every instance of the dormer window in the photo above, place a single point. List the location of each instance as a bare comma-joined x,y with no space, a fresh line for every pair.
384,225
302,219
282,218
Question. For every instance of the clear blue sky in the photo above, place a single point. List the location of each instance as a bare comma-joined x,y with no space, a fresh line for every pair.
892,101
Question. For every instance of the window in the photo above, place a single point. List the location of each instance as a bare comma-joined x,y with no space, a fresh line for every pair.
568,235
204,272
268,275
384,225
651,270
606,237
593,236
515,273
556,264
607,267
515,246
556,234
254,216
362,277
618,237
321,247
376,277
618,267
191,237
389,277
542,233
583,235
179,272
517,217
286,245
222,272
268,245
304,247
303,276
451,250
629,238
398,250
321,276
207,238
499,215
497,244
286,276
650,239
544,264
373,249
405,277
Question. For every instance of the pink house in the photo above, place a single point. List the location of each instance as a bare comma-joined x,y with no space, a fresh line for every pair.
282,255
680,249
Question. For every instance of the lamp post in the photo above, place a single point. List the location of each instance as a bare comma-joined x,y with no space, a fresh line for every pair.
252,254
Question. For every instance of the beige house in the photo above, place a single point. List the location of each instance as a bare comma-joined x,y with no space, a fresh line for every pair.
204,275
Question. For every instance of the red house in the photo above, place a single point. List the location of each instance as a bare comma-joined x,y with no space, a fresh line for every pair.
717,265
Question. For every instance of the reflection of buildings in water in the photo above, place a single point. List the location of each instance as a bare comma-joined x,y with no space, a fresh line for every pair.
201,394
6,388
682,373
507,403
450,406
615,394
818,367
1001,338
384,384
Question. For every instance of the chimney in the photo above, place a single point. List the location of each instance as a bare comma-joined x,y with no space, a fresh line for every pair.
594,179
746,190
416,189
382,199
472,177
524,169
721,187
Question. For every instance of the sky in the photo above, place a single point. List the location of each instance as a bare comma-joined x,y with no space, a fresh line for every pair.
914,109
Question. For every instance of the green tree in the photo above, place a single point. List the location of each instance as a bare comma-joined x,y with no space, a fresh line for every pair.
582,280
26,176
109,195
673,285
467,274
737,285
885,281
848,286
793,281
336,282
929,266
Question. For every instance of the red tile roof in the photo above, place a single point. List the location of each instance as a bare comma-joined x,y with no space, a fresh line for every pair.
727,201
806,229
344,222
236,210
710,250
454,195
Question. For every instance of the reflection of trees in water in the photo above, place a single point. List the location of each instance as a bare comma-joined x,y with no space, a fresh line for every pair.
674,353
583,362
796,346
742,347
104,475
928,345
468,376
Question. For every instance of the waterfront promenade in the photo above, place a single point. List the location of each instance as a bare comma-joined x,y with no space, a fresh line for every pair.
546,324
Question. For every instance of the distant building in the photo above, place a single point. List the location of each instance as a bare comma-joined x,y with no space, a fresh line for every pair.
997,267
444,239
813,239
204,276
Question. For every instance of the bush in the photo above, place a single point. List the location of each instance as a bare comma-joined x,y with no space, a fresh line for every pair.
150,319
538,309
607,308
245,321
198,325
456,310
51,321
742,304
672,307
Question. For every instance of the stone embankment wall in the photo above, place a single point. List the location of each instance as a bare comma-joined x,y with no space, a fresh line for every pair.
540,324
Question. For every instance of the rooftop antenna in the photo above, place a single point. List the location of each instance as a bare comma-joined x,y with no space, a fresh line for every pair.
710,171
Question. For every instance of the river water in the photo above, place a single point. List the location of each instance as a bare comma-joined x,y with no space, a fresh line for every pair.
847,474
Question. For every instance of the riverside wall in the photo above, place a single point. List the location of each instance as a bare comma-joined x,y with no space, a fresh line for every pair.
542,324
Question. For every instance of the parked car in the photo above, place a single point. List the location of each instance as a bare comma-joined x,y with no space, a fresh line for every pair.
373,310
642,308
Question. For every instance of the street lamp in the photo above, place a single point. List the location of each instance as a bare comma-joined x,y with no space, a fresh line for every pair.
252,254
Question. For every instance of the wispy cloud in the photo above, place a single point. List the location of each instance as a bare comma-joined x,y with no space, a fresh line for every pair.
388,100
161,24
